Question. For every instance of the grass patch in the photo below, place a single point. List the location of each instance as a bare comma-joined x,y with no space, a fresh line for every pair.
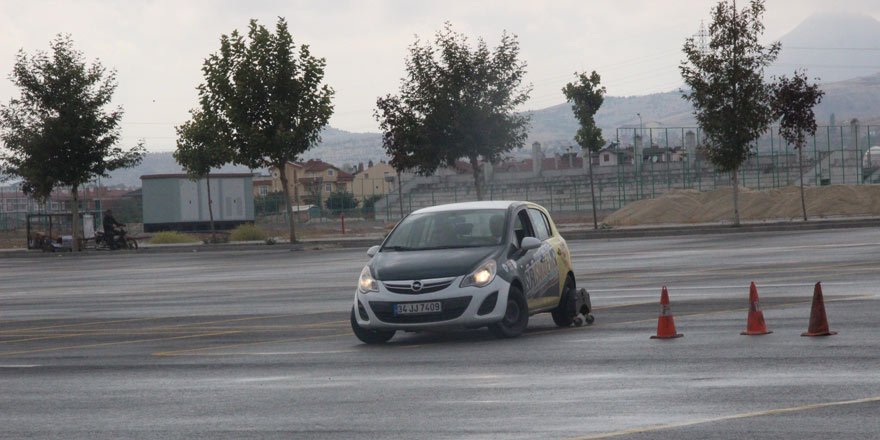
173,237
248,232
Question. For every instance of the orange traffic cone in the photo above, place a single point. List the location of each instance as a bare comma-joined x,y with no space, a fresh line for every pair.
665,323
755,324
818,320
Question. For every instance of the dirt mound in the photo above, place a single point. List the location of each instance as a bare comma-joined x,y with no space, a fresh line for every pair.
692,206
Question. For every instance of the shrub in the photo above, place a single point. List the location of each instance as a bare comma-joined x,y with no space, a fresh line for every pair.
369,205
173,237
248,232
340,201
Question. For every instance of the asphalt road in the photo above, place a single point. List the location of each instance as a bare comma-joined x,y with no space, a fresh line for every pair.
256,344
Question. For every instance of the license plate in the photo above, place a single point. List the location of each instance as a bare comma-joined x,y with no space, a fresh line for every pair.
418,308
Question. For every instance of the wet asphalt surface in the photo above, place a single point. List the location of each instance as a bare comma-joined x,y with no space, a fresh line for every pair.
256,344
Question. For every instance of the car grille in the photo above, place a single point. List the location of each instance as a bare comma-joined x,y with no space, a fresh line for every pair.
452,308
428,286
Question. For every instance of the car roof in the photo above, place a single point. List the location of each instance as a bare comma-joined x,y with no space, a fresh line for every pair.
495,204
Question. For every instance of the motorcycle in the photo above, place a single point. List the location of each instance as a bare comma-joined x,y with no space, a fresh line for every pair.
118,240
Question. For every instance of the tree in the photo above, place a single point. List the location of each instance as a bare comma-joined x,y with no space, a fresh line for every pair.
269,99
794,99
58,132
201,146
368,206
401,136
456,102
340,201
732,102
586,97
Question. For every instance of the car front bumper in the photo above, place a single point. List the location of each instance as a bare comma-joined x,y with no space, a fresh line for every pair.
461,307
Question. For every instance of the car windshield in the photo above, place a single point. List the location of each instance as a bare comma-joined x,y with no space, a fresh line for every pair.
448,230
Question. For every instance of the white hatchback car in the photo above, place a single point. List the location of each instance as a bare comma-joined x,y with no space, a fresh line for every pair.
470,265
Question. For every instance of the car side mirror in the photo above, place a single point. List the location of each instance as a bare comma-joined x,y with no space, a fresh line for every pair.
372,251
530,243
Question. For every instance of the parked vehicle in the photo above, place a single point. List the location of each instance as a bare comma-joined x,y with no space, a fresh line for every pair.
471,265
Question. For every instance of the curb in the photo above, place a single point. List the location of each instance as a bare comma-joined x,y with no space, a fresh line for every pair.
574,234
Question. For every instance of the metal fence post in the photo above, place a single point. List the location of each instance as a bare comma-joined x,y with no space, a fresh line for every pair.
817,167
842,157
668,160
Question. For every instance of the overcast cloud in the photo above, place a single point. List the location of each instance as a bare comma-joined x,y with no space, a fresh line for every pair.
157,47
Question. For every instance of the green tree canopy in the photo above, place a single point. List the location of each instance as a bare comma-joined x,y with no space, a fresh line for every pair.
268,97
456,102
793,102
201,147
725,80
341,201
59,132
586,96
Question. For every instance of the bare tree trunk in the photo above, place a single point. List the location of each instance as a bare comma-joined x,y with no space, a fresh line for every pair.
735,197
74,210
476,171
801,172
592,190
291,222
211,207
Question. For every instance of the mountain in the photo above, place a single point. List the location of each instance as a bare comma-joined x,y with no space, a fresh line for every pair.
338,147
555,126
832,47
341,147
156,163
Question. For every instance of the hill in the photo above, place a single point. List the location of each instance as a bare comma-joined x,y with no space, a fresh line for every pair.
831,46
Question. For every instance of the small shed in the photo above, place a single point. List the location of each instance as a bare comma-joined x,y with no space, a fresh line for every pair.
174,202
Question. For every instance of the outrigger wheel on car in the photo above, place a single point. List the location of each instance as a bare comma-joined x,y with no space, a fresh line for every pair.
574,307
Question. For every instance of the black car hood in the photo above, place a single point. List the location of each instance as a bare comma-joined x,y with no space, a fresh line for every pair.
421,265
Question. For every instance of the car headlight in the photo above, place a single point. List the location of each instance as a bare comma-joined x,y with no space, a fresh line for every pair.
366,282
482,276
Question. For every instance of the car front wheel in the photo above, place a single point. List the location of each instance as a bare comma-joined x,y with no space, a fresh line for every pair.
516,316
368,336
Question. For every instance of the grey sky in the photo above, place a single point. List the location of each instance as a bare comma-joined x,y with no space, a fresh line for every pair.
157,47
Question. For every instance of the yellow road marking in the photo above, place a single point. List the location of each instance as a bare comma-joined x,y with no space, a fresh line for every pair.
771,412
104,344
326,325
250,318
243,344
18,330
270,353
40,338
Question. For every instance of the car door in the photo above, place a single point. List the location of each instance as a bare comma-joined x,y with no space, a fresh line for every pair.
530,263
548,266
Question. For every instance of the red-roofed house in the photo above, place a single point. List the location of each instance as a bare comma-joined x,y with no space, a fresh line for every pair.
314,178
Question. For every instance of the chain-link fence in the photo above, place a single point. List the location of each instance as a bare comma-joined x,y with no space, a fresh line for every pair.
645,163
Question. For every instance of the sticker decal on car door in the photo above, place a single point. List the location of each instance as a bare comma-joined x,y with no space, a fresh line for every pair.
540,271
